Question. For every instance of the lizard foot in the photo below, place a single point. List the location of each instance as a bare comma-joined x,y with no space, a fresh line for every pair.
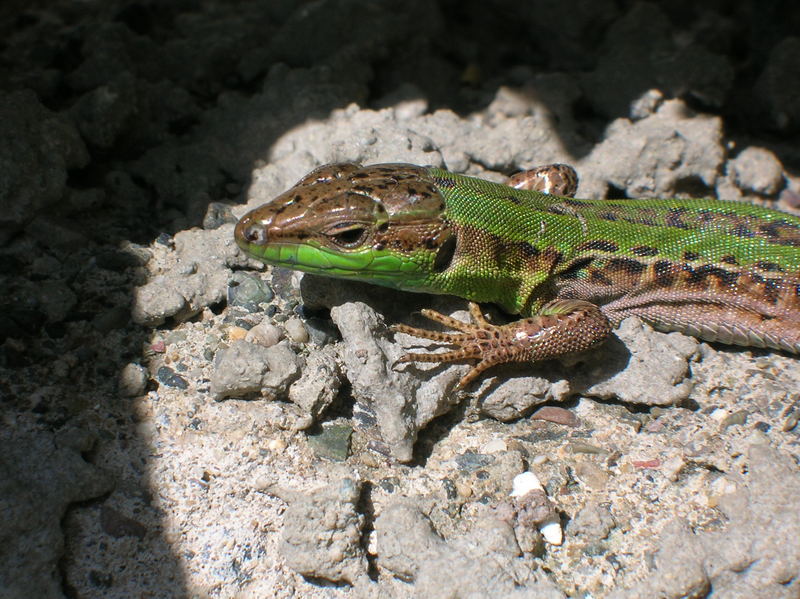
561,327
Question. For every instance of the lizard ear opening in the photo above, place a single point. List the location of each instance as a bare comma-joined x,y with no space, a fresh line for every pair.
444,257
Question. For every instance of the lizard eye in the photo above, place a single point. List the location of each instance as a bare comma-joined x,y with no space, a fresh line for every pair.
349,235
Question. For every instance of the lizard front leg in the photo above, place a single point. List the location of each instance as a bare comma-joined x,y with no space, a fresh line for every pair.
561,327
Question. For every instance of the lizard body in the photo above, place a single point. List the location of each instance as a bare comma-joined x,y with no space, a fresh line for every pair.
572,268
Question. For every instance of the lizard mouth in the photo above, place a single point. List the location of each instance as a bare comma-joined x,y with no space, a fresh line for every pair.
365,264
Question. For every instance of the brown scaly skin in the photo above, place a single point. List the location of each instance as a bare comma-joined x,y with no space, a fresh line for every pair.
721,271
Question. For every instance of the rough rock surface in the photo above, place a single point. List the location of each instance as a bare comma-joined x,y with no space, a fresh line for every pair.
157,386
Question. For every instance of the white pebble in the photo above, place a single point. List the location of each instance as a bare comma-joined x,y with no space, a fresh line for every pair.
551,528
495,446
551,531
525,483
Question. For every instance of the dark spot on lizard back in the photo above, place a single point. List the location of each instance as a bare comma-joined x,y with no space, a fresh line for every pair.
675,218
598,277
663,273
772,289
625,265
701,273
769,266
575,267
742,230
529,250
729,259
645,250
690,256
603,245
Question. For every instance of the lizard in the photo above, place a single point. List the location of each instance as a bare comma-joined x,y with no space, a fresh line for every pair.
573,269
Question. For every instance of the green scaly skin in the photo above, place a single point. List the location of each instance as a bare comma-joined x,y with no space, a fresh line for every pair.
573,268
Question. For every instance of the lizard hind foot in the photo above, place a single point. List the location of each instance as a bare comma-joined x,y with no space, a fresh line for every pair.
561,327
478,340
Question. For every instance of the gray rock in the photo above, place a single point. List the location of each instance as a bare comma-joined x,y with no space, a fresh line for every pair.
333,442
322,532
132,380
402,401
485,562
593,522
509,399
246,369
758,170
651,368
38,147
38,481
756,554
659,155
319,383
248,291
197,277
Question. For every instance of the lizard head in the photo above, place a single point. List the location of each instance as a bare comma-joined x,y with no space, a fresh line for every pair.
382,224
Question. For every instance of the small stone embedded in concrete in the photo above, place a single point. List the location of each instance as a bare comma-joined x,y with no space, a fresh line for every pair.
167,376
333,442
248,291
119,525
535,509
555,414
265,334
593,521
296,330
132,380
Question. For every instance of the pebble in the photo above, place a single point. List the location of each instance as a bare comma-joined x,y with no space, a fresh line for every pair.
739,417
578,447
237,333
791,421
550,527
555,414
758,170
217,215
276,445
166,376
333,442
248,291
132,380
296,330
265,333
591,475
495,446
469,461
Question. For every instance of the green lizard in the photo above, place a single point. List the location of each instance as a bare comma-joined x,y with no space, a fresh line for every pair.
573,268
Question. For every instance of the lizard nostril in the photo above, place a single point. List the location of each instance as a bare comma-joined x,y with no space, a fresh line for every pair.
255,234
